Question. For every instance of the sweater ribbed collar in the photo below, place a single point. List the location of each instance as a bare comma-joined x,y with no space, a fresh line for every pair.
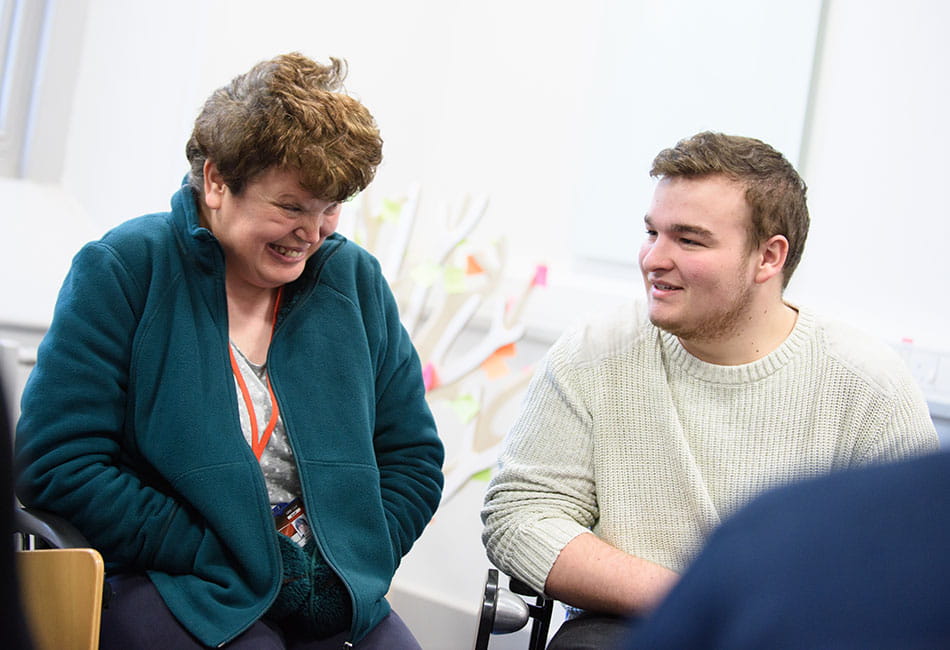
676,355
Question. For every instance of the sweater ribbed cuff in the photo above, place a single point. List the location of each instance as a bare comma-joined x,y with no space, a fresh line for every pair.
532,554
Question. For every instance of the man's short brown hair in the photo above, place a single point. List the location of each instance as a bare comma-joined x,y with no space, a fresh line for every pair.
773,189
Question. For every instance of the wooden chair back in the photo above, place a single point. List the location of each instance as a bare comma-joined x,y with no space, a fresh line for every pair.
62,596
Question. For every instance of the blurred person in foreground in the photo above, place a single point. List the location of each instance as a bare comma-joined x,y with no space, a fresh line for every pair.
226,404
642,430
856,559
14,631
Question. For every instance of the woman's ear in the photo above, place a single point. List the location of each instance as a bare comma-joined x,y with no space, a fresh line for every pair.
772,258
214,185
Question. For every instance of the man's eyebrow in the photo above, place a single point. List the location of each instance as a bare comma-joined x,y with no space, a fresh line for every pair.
683,228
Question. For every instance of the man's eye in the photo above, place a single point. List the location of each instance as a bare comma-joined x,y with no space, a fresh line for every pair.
291,208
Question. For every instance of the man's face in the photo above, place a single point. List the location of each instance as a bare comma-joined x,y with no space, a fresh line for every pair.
696,264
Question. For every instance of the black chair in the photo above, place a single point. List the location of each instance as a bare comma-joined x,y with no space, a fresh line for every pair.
503,611
14,630
40,529
53,587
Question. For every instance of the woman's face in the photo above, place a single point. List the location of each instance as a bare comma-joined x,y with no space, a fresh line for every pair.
269,230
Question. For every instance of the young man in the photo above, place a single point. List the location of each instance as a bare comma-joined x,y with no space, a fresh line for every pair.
642,431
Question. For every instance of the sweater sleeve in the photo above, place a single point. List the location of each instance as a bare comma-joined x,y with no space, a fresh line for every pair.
409,453
908,431
72,452
890,418
543,495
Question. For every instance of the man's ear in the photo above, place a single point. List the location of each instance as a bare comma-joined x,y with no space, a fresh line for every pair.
214,185
772,255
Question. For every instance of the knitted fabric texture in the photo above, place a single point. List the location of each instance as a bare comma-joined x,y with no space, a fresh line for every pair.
312,597
625,434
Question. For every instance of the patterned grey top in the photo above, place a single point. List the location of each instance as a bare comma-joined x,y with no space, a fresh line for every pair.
277,461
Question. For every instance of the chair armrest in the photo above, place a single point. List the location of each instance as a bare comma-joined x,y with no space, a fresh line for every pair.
503,612
522,588
54,531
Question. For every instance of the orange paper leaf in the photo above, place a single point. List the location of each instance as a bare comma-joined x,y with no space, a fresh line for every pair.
495,367
472,267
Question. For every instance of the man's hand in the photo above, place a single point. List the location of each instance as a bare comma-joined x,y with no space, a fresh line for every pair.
591,574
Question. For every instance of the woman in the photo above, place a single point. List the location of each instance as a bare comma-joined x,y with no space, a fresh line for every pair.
213,372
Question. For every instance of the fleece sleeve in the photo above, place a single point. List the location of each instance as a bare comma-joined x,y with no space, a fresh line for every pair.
72,446
408,450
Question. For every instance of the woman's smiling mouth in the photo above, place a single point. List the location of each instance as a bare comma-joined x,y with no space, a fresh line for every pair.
292,253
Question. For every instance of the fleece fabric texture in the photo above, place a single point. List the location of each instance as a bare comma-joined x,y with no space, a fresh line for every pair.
626,434
130,424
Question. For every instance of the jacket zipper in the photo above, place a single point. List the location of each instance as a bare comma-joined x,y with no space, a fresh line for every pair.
290,438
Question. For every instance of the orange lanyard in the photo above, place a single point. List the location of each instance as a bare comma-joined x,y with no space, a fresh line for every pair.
258,443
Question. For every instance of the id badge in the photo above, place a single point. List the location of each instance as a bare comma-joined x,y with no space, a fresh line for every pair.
291,520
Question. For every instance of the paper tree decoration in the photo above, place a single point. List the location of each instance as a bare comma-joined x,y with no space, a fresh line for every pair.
441,291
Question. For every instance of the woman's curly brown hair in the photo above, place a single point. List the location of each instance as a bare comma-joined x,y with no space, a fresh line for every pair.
288,112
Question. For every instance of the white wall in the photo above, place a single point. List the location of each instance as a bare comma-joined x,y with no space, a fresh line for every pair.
487,98
490,97
876,166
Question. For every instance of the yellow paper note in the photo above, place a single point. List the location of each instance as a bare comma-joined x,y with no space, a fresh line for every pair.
454,279
390,211
465,407
426,274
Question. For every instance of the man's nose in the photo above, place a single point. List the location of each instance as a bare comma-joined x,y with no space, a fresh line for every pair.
655,255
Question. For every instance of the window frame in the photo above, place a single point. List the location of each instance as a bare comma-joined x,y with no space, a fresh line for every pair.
21,29
41,43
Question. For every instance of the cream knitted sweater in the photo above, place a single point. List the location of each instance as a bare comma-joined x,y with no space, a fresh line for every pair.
626,434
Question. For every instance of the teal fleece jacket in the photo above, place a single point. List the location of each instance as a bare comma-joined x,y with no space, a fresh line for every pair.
130,426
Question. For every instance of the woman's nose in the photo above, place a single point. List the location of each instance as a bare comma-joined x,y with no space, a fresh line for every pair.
309,230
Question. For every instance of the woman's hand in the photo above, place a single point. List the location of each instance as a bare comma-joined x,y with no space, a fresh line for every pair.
311,594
